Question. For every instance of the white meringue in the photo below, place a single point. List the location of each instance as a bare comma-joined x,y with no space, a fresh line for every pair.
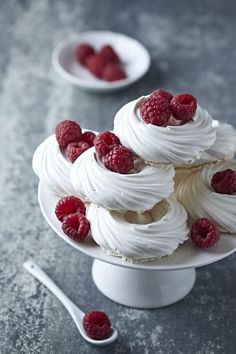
172,144
140,242
135,191
224,146
200,200
182,172
52,168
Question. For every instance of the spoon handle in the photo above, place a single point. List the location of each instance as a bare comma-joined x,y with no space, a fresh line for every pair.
39,274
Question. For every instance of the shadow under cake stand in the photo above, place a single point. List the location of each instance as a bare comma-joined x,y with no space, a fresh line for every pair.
146,285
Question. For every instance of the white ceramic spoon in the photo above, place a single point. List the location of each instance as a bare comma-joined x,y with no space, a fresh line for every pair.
73,310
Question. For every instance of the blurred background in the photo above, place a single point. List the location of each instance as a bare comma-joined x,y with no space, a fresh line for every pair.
192,47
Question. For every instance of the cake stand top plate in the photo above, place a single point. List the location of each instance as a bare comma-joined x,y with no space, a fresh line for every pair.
186,256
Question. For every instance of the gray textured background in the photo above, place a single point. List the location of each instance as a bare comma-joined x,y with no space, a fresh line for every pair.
192,44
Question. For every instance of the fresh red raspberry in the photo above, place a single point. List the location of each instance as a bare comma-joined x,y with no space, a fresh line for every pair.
105,142
97,324
119,159
155,111
76,226
204,233
83,51
88,137
96,64
69,205
67,132
162,94
74,150
109,54
113,72
224,182
183,106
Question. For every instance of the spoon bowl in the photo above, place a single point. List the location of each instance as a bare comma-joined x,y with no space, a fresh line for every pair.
76,314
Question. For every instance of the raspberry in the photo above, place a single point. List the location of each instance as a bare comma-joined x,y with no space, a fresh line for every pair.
97,324
109,54
88,137
76,226
183,106
119,159
74,150
69,205
224,182
113,72
105,142
83,51
162,94
204,233
67,132
96,64
155,111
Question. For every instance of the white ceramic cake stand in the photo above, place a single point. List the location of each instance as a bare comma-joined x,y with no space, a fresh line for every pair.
145,285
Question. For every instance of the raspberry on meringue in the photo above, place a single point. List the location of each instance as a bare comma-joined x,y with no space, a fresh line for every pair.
139,190
179,145
200,200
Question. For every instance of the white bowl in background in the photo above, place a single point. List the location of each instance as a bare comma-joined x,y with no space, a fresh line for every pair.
134,56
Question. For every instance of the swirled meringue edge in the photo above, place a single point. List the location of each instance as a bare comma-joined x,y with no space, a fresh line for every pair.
224,146
178,145
139,242
52,168
134,191
200,200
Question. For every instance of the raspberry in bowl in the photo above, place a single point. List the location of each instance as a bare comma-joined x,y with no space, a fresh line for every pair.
127,60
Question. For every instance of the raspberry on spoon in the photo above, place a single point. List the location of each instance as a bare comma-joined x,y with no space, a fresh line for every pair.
204,233
183,106
76,226
105,142
97,324
224,182
119,159
155,111
67,132
69,205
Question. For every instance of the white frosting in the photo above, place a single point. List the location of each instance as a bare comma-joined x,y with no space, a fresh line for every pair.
135,191
172,144
199,199
52,168
224,146
136,241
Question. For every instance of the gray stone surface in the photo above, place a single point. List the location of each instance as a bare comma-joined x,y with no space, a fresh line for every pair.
192,44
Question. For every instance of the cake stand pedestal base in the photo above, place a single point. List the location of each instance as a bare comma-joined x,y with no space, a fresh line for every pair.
142,288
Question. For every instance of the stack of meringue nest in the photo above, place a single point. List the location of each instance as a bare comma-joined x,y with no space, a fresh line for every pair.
146,214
